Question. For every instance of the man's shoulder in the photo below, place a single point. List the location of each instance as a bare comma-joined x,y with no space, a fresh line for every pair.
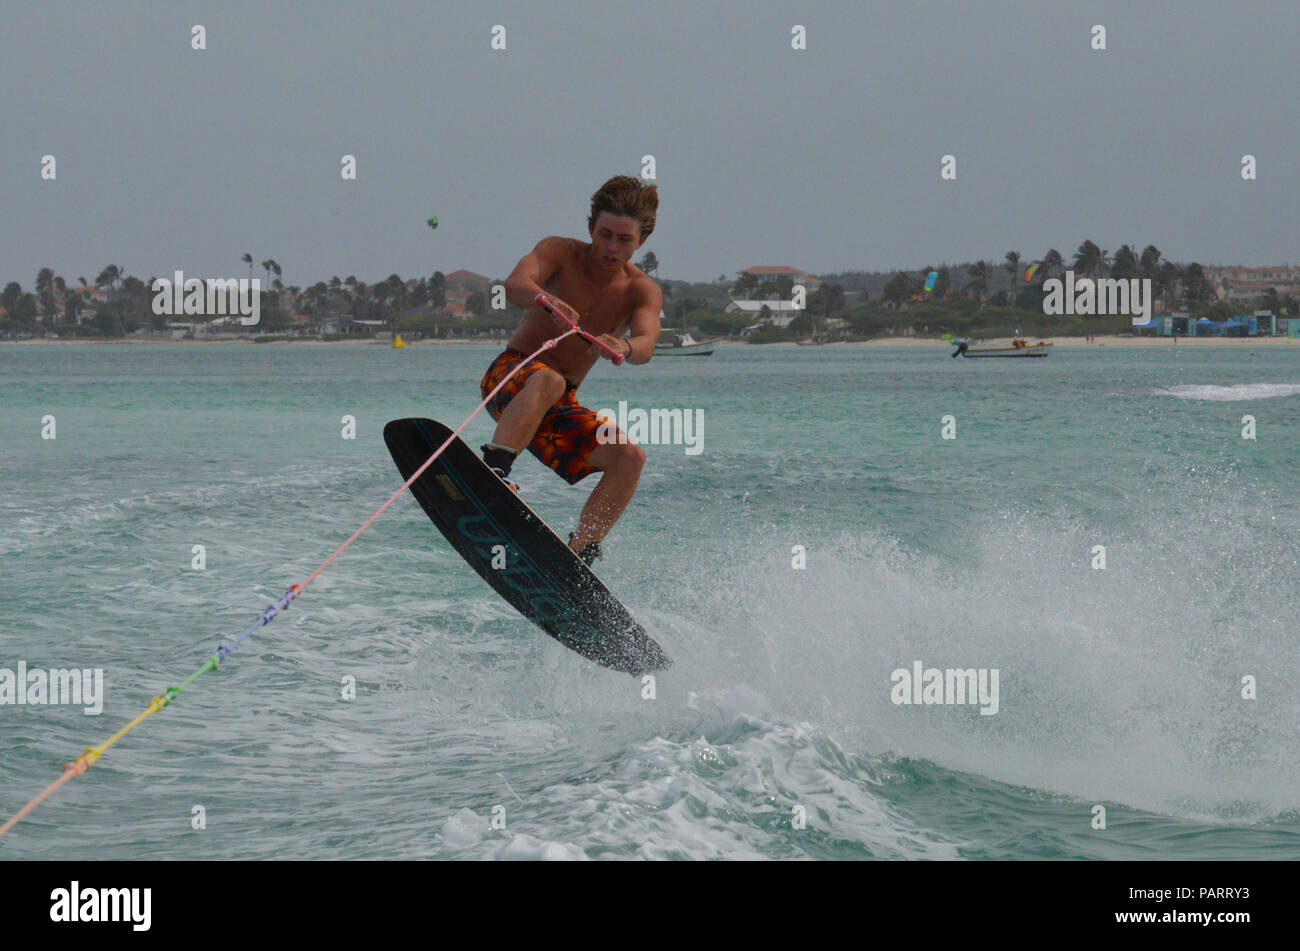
566,249
642,286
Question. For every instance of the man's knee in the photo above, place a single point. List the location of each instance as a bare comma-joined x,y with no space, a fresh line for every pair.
548,383
626,457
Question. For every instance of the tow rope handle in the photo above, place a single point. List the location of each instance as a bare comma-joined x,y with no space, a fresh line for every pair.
544,302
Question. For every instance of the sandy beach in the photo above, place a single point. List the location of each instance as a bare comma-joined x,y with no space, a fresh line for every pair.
1111,341
1118,340
1246,343
167,341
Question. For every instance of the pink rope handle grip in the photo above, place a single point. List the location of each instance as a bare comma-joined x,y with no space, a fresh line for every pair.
544,302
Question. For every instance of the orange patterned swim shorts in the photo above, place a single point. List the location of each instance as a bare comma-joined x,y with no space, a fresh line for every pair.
567,434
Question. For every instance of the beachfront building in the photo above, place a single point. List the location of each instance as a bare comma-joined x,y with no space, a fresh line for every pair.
768,275
781,312
362,326
1262,323
1179,324
461,286
1266,321
1241,285
1176,324
346,325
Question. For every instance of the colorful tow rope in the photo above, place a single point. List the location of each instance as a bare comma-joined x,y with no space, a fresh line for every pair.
92,754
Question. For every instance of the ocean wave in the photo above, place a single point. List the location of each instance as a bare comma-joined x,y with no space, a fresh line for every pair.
756,789
1229,394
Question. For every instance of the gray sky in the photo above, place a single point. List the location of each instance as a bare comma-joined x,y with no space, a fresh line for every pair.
824,159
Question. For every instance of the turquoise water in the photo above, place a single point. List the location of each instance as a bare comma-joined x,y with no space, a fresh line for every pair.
1118,687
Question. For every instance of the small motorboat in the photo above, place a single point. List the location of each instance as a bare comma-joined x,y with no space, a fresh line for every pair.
1019,348
679,343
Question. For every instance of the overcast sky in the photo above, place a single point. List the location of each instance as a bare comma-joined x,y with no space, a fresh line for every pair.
825,159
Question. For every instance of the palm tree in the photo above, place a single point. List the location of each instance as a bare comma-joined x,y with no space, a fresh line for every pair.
438,290
364,299
1168,284
1012,266
745,284
897,287
111,276
1196,286
1087,260
45,293
1150,262
1126,264
248,259
1149,267
942,284
981,274
1053,263
70,302
59,289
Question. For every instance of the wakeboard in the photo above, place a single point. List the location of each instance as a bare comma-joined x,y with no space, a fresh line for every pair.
515,552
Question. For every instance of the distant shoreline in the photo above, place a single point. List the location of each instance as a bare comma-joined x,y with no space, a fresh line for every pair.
164,341
930,342
1101,341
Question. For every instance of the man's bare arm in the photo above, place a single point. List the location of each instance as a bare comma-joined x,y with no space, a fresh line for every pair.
533,270
644,326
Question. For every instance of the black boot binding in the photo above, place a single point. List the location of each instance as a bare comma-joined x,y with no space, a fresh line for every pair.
499,459
588,554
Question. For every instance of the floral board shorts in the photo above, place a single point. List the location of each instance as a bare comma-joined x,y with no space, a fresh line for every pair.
567,434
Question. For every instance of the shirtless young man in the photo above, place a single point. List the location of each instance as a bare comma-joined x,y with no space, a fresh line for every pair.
599,289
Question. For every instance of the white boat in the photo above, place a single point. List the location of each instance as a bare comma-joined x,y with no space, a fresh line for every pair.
1019,348
679,343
